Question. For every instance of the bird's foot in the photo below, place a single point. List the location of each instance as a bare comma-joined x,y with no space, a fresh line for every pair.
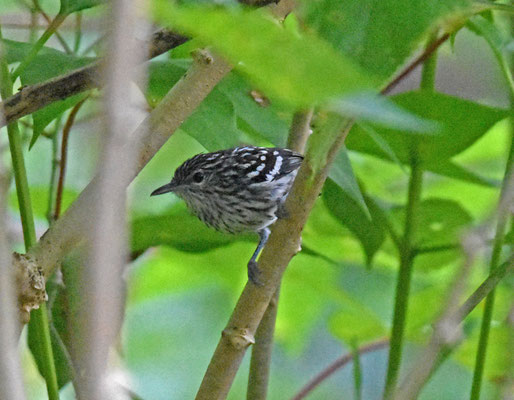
254,273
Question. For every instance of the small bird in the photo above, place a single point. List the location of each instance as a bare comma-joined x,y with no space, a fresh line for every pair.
237,190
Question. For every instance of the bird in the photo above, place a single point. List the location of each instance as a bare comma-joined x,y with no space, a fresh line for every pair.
237,190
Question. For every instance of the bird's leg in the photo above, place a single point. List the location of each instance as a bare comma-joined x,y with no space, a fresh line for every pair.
253,268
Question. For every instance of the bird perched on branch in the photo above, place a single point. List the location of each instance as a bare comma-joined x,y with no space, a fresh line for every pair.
237,190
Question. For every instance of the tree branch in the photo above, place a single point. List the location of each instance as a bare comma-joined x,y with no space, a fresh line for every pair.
261,352
34,97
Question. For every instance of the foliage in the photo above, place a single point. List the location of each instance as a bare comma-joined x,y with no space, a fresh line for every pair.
184,278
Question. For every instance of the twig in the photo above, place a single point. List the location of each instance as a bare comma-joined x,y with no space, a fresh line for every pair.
336,365
418,61
64,156
34,97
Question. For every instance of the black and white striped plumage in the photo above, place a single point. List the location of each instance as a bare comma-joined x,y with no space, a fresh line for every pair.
237,190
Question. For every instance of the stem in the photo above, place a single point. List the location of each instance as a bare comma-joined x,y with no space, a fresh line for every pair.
53,172
40,316
429,66
404,279
338,364
503,217
64,156
407,253
261,352
50,30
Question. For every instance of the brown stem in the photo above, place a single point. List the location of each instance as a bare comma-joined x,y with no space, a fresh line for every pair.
338,364
64,156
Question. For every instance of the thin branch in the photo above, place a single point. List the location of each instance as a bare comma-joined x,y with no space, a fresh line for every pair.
338,364
48,20
64,156
417,61
34,97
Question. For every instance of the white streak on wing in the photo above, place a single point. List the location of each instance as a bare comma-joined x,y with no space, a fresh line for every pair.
253,174
276,169
260,167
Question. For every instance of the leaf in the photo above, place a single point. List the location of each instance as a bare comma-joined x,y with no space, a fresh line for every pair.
371,107
378,34
269,54
71,6
357,323
439,222
455,171
462,123
46,65
178,229
342,174
349,213
213,124
271,122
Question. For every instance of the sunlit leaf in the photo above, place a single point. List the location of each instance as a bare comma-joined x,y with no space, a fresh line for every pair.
378,34
269,54
458,129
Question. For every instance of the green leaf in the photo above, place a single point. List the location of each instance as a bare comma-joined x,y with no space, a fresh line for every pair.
162,76
178,229
440,222
269,54
357,323
270,121
371,107
342,174
71,6
455,171
378,34
46,65
369,232
462,123
213,124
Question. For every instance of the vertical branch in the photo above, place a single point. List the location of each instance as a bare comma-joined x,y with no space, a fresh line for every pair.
40,316
103,297
506,198
446,330
407,253
11,383
404,279
261,351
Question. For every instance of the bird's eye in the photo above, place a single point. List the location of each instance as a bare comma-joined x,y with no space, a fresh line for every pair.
198,177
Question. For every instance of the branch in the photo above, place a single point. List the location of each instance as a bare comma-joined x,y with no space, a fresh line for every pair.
283,244
261,351
34,97
336,365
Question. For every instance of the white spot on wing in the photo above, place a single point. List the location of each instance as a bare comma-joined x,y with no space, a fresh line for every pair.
263,158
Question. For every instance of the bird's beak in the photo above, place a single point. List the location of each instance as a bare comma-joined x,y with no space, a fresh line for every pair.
169,187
